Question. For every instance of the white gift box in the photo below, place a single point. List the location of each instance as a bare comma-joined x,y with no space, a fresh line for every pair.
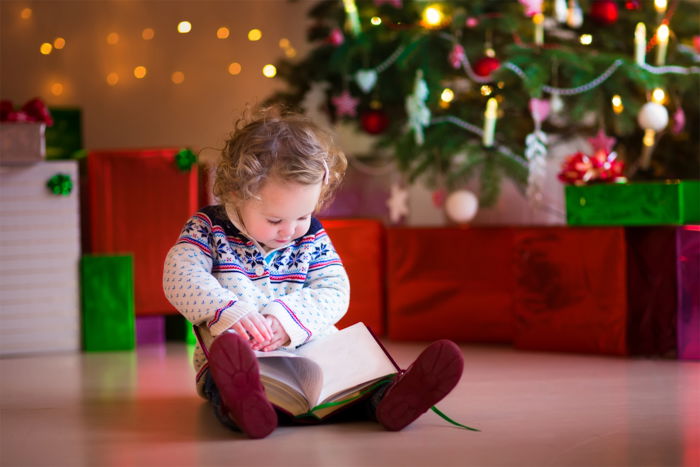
22,143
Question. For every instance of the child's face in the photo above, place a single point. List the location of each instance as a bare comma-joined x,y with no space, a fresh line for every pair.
282,212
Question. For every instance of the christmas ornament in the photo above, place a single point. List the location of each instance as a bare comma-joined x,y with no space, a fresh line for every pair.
603,166
461,206
397,203
336,37
457,56
696,43
653,116
438,198
486,65
418,112
602,141
60,184
678,120
532,7
366,79
185,159
374,121
394,3
536,150
632,5
556,104
574,17
471,22
345,104
561,10
604,11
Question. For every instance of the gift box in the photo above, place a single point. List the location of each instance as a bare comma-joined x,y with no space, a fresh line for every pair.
629,204
150,330
39,253
138,202
360,244
22,143
107,289
451,283
688,273
571,290
64,139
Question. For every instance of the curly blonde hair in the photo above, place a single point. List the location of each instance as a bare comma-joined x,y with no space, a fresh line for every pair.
272,142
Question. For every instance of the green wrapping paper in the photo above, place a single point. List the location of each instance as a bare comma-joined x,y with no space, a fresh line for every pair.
107,284
653,203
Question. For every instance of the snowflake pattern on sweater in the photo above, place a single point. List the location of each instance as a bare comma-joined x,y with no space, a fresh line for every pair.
214,275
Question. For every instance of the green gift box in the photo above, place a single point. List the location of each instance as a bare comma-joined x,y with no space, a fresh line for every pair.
650,203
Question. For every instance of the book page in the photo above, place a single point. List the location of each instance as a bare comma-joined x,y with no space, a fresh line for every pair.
293,370
348,358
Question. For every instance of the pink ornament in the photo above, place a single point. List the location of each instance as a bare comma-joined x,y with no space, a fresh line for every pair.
439,196
472,22
336,37
532,7
678,121
601,141
539,108
456,56
345,104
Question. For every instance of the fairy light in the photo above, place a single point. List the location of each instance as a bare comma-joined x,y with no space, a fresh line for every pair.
617,104
140,72
112,78
447,95
432,16
376,21
112,38
177,77
57,89
234,68
254,35
269,71
183,27
660,6
222,33
649,137
486,90
586,39
148,34
26,13
45,48
662,34
59,43
284,43
658,95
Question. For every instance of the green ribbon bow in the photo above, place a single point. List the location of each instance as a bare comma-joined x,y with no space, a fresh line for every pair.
60,184
185,159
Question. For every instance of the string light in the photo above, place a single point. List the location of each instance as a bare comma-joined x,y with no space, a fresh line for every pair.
148,34
234,68
45,48
177,77
183,27
59,43
223,32
112,38
376,21
269,71
26,13
617,104
447,95
660,6
140,72
486,90
658,95
432,17
254,35
112,79
586,39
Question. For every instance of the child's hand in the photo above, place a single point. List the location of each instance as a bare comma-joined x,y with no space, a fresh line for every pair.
254,326
279,335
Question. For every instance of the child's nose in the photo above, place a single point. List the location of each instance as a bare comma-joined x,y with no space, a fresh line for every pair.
286,230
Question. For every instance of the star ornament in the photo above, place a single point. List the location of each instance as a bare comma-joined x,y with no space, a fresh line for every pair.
602,141
345,104
397,203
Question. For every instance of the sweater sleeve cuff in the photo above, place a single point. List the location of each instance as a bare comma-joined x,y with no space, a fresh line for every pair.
297,332
227,316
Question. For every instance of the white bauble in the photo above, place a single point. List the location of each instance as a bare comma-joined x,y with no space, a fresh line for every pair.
461,206
653,116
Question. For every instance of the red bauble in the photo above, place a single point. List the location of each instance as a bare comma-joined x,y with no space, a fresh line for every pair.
486,65
374,121
604,11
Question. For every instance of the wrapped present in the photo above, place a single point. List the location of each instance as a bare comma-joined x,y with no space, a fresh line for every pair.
360,244
688,272
629,204
107,288
39,253
138,202
22,143
64,139
571,290
150,330
451,283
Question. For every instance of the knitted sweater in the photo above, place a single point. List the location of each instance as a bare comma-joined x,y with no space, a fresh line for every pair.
215,274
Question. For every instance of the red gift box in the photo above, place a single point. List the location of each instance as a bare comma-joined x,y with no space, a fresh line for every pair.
688,273
571,289
450,283
360,244
138,202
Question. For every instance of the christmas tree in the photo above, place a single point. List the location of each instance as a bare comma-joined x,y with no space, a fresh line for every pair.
454,90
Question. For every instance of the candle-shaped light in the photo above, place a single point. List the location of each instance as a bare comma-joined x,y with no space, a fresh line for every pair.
662,44
660,6
490,116
640,43
352,17
538,20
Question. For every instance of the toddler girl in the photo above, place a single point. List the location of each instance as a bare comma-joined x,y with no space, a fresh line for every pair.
259,272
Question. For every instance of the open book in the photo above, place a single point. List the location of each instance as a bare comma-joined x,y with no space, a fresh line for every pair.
325,374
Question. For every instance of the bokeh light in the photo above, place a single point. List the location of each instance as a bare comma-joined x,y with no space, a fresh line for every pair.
148,34
112,79
177,77
45,48
183,27
269,71
234,68
222,32
254,35
140,71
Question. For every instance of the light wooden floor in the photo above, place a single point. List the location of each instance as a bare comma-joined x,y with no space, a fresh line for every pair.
534,409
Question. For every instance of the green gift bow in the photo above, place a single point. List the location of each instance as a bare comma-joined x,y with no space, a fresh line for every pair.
60,184
185,159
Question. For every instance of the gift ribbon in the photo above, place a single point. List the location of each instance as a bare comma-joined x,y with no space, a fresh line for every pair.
60,184
185,159
33,111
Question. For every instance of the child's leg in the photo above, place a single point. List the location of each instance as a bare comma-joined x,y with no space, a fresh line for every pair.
430,377
235,372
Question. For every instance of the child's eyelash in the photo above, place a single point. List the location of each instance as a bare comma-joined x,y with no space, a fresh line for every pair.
273,222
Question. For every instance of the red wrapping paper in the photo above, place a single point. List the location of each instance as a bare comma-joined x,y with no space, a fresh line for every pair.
688,270
450,283
138,203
